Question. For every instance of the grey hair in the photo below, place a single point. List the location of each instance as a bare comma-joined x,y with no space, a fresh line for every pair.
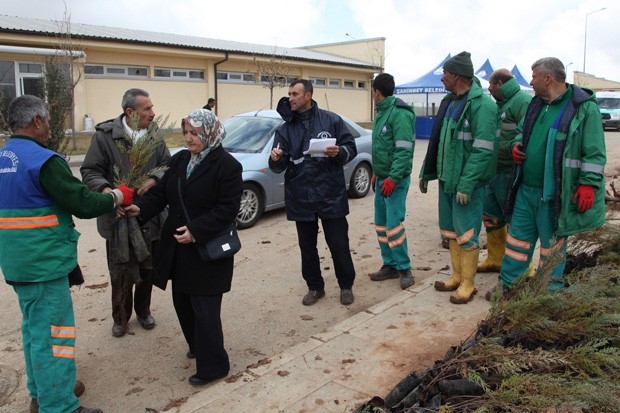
129,98
23,109
551,66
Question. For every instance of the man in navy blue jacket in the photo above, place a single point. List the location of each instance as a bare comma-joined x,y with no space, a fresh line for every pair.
315,186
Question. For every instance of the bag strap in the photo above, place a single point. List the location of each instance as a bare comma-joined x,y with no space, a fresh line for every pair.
181,200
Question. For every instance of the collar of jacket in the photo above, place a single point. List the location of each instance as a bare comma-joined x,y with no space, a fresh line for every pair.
508,90
385,103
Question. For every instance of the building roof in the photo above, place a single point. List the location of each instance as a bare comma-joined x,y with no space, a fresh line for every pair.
26,25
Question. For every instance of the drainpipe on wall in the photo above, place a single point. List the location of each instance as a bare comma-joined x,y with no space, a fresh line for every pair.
217,100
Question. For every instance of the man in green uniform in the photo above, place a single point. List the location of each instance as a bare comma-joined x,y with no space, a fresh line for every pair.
462,154
393,140
559,182
38,250
512,103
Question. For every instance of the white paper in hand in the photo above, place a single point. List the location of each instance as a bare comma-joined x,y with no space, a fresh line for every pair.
318,146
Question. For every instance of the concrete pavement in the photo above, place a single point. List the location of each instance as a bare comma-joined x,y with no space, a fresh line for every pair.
364,356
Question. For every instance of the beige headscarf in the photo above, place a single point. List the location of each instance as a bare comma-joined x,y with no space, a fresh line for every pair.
210,131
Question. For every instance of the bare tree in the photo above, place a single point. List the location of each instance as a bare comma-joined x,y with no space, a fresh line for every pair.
272,72
61,73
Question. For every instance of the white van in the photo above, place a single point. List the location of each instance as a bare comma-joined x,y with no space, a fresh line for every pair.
609,105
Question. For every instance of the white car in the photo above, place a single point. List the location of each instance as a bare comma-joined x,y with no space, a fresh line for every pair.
249,138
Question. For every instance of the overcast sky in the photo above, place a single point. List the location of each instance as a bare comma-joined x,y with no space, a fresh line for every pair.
419,34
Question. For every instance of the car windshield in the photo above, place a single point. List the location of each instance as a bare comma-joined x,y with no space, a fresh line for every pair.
608,103
248,134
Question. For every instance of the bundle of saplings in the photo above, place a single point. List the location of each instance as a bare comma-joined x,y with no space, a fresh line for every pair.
537,350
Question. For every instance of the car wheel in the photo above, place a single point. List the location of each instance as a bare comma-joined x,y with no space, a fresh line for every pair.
252,205
360,180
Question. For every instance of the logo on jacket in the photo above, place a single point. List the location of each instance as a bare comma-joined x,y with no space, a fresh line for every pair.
466,123
11,158
503,116
324,135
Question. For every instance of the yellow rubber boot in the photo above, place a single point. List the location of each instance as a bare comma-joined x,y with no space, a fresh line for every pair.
455,257
469,264
496,246
530,272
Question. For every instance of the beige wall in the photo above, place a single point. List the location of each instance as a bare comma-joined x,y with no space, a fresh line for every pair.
101,97
593,82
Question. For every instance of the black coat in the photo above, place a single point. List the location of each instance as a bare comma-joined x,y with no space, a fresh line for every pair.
212,195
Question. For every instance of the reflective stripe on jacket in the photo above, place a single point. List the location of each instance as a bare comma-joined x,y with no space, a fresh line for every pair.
468,159
37,238
393,139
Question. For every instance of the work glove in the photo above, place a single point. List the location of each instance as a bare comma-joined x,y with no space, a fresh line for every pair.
423,186
373,181
462,199
584,197
387,187
518,156
127,194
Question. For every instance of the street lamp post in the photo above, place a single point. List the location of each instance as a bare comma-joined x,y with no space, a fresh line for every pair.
566,70
585,37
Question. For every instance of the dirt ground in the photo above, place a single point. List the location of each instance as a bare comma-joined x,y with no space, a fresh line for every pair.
262,315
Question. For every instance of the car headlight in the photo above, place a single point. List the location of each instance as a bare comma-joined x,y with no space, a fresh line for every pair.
615,116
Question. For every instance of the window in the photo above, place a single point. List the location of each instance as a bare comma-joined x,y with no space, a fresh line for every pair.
7,85
349,84
30,79
178,74
318,81
334,82
115,71
361,84
30,68
93,70
236,77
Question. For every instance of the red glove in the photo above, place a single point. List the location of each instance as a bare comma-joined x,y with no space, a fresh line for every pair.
584,196
518,156
373,181
127,194
387,187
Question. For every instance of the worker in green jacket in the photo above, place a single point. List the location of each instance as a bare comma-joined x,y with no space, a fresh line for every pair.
393,142
558,185
512,104
38,250
462,154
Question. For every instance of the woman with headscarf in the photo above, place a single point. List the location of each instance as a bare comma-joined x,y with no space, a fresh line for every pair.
208,179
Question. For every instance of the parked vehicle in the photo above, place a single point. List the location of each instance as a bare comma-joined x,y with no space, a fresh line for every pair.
609,105
249,138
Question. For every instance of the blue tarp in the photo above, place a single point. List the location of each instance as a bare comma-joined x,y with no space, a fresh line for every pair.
520,79
429,83
485,71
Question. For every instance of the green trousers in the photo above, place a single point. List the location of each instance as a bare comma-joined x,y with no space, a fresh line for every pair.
390,214
494,198
461,222
532,219
48,334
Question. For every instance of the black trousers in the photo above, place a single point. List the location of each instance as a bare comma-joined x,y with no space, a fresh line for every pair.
199,316
124,297
337,238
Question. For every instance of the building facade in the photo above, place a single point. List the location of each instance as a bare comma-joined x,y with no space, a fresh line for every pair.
181,72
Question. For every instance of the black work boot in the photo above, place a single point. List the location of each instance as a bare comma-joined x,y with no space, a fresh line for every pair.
386,272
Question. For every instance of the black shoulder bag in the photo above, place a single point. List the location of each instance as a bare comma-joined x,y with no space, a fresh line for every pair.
223,245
